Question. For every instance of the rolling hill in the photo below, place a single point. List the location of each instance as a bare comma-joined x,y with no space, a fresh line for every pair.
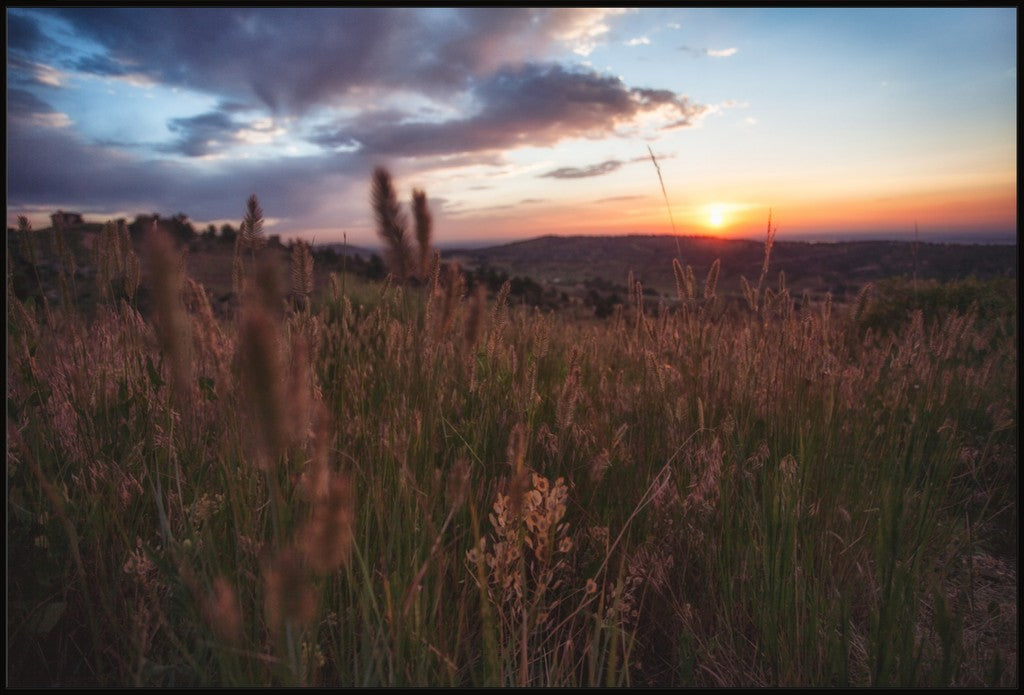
839,267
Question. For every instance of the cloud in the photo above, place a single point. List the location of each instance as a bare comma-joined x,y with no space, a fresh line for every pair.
21,102
291,61
583,29
710,52
535,105
601,169
30,72
28,110
201,135
418,89
620,198
57,168
23,33
639,41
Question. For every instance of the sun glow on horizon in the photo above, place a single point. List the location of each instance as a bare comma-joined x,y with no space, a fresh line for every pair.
716,216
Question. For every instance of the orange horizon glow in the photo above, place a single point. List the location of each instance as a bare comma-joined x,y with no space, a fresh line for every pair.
990,208
986,208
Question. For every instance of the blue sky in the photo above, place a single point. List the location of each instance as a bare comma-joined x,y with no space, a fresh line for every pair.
520,122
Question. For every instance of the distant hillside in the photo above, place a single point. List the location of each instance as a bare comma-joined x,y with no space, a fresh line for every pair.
840,267
348,250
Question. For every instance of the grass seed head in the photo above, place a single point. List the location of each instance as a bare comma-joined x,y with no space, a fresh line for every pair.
222,611
424,226
262,375
328,536
172,324
391,225
288,590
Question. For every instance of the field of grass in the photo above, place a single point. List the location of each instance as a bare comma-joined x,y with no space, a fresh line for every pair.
388,484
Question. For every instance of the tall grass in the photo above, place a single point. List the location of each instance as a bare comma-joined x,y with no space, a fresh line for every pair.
430,487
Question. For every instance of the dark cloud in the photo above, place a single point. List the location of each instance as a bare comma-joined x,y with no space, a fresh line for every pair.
23,33
202,134
601,169
536,104
291,60
100,64
54,167
21,102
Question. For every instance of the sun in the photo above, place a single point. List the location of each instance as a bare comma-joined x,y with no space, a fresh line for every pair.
716,215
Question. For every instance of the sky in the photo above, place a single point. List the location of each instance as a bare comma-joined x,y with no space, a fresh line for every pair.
518,122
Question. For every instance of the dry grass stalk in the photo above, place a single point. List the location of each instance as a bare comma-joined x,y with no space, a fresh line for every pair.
519,483
27,241
677,271
475,318
262,374
129,262
326,539
691,283
64,251
288,591
457,484
103,256
769,240
209,337
424,225
749,293
435,273
300,405
251,230
391,225
703,493
172,324
455,286
302,273
638,299
222,611
712,279
238,285
675,234
26,238
268,288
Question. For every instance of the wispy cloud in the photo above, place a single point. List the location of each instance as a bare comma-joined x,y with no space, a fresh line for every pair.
619,198
710,52
639,41
601,169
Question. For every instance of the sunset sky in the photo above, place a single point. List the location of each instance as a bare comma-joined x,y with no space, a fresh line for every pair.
846,123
